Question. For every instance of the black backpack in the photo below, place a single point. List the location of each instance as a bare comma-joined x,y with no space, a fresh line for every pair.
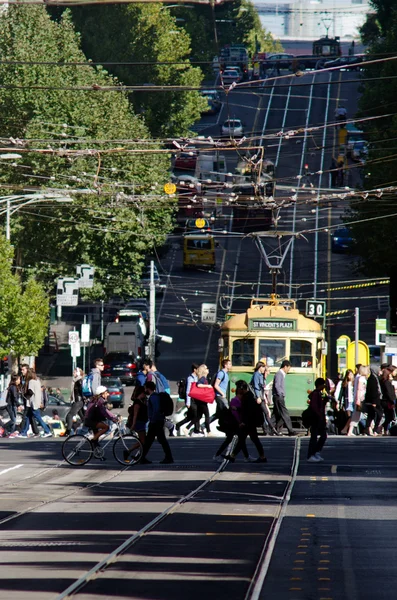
166,404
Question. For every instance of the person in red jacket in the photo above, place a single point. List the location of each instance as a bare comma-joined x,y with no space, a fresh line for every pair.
318,428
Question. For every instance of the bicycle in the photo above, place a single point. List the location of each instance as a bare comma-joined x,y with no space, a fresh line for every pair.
78,448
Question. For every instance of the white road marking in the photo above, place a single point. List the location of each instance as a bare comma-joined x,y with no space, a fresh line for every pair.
10,469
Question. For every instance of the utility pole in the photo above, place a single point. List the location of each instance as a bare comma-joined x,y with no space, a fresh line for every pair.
152,313
356,332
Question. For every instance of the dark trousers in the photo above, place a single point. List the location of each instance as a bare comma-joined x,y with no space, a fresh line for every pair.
191,415
281,414
12,411
374,413
156,430
28,415
221,404
76,408
202,411
244,433
318,437
229,437
389,417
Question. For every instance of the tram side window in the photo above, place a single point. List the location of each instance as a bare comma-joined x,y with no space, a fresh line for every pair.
273,351
301,354
243,353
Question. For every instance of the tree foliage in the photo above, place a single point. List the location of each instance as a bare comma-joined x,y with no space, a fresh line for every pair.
149,36
45,106
24,309
378,100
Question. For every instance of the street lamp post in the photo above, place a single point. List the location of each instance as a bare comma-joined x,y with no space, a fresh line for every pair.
25,199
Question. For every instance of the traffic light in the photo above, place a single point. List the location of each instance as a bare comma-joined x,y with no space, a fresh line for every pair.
306,169
4,366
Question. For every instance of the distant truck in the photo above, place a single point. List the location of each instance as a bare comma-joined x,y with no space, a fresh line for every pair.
127,335
236,55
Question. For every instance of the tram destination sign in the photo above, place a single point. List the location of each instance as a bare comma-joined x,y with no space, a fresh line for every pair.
273,324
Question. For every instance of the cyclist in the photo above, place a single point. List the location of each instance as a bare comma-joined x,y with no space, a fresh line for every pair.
97,414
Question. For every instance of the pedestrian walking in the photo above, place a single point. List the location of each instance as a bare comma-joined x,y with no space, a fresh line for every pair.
258,386
76,399
202,407
344,397
221,384
156,426
141,376
388,397
33,396
138,413
372,401
230,423
318,427
92,381
251,418
190,403
13,395
280,411
162,384
359,389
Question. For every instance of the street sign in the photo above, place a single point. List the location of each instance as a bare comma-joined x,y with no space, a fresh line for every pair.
85,333
75,350
208,313
315,308
85,274
391,345
74,337
170,188
380,331
67,291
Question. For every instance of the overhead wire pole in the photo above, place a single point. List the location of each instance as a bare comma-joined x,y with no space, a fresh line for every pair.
291,263
152,313
319,188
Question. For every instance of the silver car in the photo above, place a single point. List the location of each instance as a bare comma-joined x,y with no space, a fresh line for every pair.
233,128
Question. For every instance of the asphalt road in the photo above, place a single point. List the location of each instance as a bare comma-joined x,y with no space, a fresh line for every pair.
256,531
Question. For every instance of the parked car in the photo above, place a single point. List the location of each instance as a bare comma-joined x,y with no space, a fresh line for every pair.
145,280
214,102
186,160
138,304
58,404
342,240
282,60
232,127
115,389
230,76
353,62
122,365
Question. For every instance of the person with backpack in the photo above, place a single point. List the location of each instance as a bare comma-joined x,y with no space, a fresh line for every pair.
190,403
92,381
156,416
13,395
97,414
221,384
162,384
141,376
76,398
34,398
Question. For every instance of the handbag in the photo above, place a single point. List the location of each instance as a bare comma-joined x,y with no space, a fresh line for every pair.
203,394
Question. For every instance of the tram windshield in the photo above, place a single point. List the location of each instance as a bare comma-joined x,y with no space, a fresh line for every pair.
273,351
300,353
243,353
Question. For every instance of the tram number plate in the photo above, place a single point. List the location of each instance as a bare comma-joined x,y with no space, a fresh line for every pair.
315,309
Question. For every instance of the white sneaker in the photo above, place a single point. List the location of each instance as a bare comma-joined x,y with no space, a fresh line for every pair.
183,431
205,433
218,459
45,435
318,456
197,434
250,459
314,459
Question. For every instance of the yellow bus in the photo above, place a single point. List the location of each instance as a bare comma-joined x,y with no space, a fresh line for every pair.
198,251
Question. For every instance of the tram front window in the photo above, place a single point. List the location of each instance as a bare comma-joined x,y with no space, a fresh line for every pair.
243,353
301,354
273,351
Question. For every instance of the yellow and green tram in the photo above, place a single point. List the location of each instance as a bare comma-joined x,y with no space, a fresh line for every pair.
273,330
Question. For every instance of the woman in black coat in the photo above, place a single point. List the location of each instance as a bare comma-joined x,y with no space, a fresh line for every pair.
388,397
373,404
251,418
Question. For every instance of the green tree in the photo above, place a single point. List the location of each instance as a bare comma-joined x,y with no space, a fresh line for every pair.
378,100
60,108
24,309
149,36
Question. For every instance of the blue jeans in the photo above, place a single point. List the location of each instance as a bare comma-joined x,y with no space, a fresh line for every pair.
35,414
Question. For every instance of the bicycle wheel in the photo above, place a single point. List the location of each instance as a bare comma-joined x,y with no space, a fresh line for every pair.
77,450
127,450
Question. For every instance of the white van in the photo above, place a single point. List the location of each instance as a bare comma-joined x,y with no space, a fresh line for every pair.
126,336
